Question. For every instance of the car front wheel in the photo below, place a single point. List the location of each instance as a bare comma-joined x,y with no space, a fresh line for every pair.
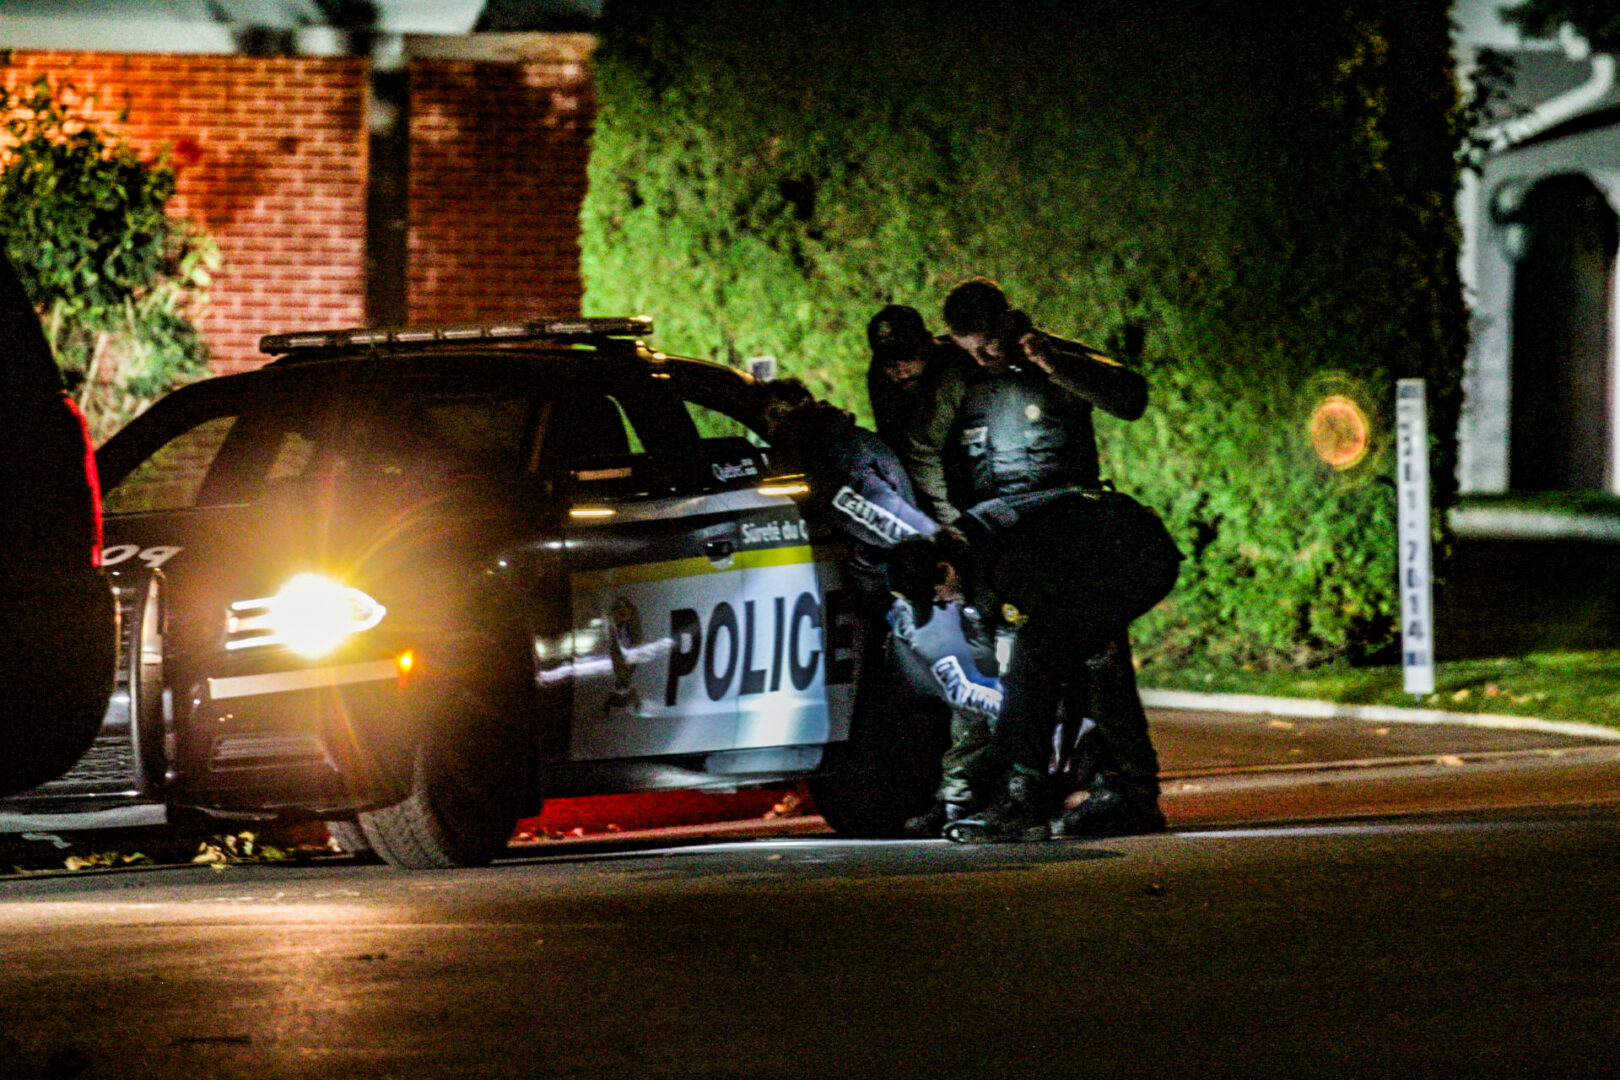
464,793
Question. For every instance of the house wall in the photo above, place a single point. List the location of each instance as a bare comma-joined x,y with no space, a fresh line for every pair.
1486,449
497,174
272,161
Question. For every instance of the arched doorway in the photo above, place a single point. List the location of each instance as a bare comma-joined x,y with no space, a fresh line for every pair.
1563,299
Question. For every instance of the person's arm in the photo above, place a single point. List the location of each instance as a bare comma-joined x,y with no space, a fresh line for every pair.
1088,374
871,500
923,450
892,487
885,404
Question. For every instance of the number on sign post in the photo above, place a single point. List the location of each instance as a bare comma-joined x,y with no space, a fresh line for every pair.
1413,536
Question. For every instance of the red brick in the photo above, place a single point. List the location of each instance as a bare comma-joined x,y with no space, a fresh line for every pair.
248,192
497,175
489,234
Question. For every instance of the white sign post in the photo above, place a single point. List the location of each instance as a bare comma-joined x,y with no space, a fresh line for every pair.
1413,535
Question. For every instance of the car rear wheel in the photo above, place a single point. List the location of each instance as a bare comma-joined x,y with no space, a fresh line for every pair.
889,768
58,643
464,792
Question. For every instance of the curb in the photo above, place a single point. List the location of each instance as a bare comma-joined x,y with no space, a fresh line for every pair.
1306,708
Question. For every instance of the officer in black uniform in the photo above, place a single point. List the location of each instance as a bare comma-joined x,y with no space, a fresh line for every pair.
856,480
926,651
1071,568
1010,413
901,349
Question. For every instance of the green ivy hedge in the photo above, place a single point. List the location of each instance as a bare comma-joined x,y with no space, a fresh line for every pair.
1250,202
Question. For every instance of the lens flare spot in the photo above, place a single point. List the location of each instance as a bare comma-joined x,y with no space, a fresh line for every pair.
1339,432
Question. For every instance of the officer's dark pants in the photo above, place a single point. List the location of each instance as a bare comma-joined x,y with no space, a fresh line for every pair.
1058,657
1108,695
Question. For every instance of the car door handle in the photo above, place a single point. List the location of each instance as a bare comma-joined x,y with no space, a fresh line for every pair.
718,549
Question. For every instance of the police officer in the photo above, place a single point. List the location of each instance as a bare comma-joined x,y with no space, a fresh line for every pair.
1010,410
1070,568
1010,413
856,481
901,348
860,487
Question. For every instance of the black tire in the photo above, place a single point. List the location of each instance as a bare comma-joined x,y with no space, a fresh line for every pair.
468,775
349,837
58,655
889,769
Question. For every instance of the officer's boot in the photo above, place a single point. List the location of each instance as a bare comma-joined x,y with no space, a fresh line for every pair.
1018,816
931,826
1113,808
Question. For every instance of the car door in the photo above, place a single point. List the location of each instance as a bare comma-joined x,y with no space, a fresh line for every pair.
800,639
655,586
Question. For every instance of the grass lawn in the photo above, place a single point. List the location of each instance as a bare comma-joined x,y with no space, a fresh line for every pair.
1581,686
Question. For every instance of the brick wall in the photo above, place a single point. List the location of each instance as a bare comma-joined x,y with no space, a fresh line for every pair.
497,174
271,155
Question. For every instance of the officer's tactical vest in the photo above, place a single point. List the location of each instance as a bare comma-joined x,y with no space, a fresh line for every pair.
1017,432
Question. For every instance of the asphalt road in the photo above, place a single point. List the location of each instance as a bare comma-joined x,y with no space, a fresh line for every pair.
1358,920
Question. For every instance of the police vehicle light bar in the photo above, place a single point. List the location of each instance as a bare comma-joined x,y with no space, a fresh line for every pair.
530,330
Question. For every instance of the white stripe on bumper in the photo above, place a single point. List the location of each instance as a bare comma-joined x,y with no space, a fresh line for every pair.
282,681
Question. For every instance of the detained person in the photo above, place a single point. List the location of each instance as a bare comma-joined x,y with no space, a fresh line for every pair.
935,651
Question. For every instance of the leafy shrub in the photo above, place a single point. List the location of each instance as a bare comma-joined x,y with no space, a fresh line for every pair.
1252,203
85,222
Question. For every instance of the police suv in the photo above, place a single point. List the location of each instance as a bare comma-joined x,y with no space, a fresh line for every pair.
414,581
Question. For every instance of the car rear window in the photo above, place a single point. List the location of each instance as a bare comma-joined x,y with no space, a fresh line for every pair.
172,478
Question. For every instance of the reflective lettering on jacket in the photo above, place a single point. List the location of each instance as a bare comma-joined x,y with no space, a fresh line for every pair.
962,692
870,515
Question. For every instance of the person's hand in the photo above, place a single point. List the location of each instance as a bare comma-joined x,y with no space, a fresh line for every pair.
1034,345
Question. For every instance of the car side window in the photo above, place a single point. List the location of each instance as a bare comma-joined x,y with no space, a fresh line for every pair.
617,438
711,423
292,457
436,430
729,436
587,425
172,478
488,426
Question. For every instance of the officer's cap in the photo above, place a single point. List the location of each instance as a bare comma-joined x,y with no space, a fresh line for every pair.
896,332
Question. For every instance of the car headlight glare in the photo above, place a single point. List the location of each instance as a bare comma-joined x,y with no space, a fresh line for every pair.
311,615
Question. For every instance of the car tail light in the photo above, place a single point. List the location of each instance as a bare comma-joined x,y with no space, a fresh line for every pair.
92,480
